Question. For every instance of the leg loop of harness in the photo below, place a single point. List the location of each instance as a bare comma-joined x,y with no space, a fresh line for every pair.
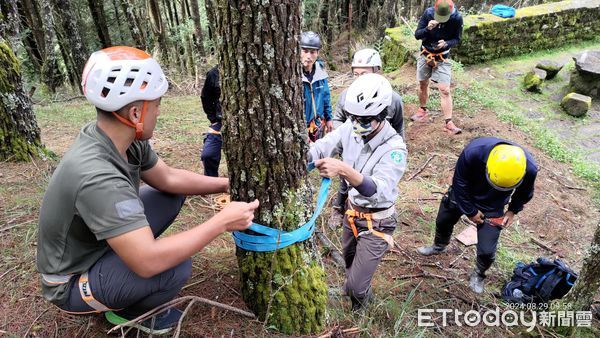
86,294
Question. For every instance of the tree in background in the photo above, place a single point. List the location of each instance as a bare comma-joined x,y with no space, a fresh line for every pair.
133,21
51,75
265,143
31,31
97,10
19,132
77,53
198,38
158,30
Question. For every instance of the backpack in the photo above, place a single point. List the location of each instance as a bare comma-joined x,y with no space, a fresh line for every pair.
539,282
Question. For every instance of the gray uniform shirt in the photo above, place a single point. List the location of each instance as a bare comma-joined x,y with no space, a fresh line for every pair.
394,117
383,159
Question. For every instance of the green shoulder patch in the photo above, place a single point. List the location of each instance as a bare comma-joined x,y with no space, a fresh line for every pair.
397,156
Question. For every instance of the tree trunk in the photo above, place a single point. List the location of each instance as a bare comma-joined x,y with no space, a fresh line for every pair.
32,40
187,8
71,31
122,40
175,14
10,21
333,21
325,30
188,51
169,16
390,13
97,10
160,40
19,132
265,146
211,13
133,20
582,294
51,75
198,39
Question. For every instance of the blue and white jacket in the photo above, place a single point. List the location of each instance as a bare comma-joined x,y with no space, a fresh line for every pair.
317,89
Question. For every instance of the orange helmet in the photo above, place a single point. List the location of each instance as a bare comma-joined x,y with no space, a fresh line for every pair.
116,76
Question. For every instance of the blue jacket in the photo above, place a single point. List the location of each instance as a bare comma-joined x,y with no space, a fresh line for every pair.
449,31
473,192
319,89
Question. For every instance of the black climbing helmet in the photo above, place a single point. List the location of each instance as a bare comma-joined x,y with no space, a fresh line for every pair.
310,40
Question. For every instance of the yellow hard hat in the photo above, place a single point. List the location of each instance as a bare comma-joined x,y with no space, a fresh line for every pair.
506,166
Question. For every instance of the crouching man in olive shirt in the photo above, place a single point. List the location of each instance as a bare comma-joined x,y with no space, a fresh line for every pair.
98,245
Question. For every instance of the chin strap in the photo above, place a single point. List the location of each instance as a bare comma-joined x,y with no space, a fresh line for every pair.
139,127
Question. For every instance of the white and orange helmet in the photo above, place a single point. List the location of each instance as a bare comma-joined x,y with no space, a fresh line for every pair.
116,76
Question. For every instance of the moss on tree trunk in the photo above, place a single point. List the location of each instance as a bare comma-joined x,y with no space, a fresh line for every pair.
265,143
19,132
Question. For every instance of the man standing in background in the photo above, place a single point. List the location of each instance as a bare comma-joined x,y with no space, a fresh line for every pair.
365,61
317,99
210,96
440,29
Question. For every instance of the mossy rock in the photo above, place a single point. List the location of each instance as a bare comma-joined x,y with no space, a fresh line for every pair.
398,47
584,83
576,104
534,79
551,67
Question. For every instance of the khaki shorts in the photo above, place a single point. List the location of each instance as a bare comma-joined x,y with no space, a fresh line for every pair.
440,74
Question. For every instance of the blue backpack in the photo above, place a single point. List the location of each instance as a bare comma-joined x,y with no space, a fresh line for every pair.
539,282
503,11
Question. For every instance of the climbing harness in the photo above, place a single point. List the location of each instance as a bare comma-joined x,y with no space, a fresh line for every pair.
369,217
432,59
84,290
86,294
269,239
212,131
314,131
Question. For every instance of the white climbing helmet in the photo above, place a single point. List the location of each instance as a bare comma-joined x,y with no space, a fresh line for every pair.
368,95
116,76
366,58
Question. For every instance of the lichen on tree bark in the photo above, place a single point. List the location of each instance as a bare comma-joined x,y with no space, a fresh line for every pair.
265,143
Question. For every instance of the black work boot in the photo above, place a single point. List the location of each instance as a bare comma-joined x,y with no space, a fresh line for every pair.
476,281
431,250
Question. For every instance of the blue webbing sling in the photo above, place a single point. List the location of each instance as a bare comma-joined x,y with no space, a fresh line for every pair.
269,239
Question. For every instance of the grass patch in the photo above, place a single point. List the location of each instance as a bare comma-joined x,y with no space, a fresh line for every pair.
385,317
76,112
535,56
507,258
479,95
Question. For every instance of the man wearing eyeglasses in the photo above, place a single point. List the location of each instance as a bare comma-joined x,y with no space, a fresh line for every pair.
365,61
373,161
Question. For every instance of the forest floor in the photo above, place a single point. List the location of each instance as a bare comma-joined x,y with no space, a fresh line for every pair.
562,215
